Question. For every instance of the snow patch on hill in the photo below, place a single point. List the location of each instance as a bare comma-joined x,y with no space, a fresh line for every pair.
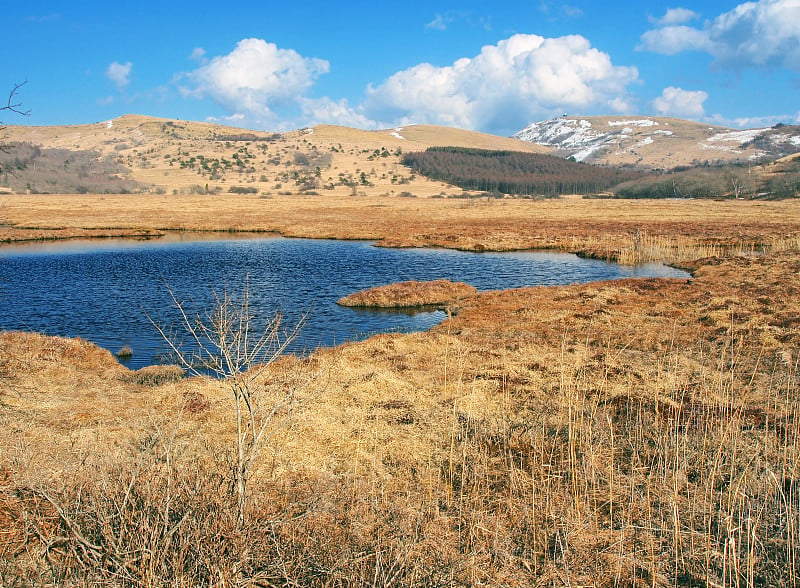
574,135
645,141
737,137
644,122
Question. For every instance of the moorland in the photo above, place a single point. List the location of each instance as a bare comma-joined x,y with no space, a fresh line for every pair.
640,432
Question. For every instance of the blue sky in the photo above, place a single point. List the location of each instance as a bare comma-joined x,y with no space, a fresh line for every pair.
492,67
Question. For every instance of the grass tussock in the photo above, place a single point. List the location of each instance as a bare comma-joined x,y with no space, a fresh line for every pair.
155,375
409,294
629,433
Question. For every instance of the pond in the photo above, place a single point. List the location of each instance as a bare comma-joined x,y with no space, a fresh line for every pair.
104,291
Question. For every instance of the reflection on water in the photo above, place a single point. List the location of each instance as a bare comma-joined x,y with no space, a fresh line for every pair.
104,291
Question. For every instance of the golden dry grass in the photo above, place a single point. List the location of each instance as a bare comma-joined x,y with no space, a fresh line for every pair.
627,433
628,230
409,294
634,433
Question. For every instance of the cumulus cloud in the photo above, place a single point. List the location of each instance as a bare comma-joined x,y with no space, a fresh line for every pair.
680,103
120,74
326,111
255,78
753,34
506,86
675,16
500,90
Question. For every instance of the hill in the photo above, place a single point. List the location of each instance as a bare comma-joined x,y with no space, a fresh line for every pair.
657,142
181,157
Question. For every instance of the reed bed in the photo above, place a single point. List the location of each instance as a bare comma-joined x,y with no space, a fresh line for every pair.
688,483
646,248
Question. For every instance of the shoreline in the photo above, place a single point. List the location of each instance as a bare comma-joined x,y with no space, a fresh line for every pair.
628,232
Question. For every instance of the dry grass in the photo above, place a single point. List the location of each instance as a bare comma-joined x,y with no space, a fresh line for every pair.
410,294
628,433
608,229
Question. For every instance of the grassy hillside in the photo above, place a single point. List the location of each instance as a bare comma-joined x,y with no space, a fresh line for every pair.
775,181
181,157
659,143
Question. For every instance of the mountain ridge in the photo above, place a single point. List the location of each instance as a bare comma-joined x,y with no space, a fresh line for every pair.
658,142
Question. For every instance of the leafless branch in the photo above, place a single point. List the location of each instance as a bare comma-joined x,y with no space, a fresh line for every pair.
12,105
222,344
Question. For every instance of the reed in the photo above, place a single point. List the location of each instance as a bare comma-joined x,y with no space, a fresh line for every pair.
644,248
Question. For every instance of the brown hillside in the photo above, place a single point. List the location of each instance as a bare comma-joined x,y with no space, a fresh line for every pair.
181,157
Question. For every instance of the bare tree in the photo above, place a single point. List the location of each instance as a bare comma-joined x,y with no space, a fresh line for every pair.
224,345
13,105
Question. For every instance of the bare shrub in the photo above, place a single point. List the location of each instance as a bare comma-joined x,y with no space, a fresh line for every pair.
29,167
224,345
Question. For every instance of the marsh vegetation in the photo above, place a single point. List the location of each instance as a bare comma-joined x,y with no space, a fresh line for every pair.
638,432
628,433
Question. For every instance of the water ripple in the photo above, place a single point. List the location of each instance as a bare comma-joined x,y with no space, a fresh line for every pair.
103,291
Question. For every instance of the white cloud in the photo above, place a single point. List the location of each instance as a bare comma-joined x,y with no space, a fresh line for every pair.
754,34
680,103
326,111
199,55
754,122
120,74
439,23
442,22
675,16
255,78
500,90
675,39
505,87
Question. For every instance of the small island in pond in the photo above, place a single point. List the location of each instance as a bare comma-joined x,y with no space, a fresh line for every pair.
409,294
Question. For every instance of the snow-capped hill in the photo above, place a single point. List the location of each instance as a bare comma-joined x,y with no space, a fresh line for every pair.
658,142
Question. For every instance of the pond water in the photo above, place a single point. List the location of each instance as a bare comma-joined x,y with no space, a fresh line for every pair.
103,291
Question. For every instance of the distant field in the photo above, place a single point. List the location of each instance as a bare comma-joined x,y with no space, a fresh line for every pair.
668,229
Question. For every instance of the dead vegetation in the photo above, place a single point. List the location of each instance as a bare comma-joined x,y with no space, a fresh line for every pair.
627,433
630,231
409,294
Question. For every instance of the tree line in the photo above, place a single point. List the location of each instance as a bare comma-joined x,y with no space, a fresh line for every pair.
514,172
